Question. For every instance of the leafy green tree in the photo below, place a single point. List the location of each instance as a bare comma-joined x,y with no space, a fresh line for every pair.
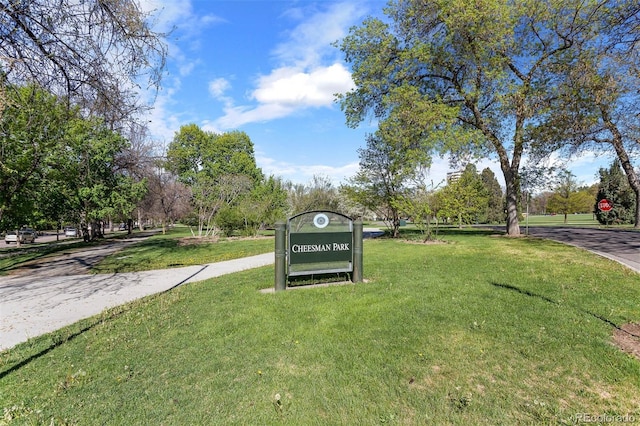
32,129
465,198
471,75
96,189
422,207
220,169
187,153
262,206
270,199
494,212
56,166
598,107
568,197
384,178
613,186
233,155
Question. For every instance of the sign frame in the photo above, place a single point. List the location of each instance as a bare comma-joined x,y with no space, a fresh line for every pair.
319,242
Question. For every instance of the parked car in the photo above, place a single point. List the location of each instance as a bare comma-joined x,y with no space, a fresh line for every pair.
70,232
26,236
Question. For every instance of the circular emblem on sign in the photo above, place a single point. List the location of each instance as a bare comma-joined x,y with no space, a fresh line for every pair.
321,220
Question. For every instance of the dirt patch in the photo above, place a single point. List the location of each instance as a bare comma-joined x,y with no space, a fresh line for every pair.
191,241
627,338
426,242
194,241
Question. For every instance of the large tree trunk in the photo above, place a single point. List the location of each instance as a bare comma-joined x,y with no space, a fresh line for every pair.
513,225
625,161
632,177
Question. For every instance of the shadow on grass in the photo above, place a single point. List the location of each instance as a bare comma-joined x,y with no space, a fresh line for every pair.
11,261
85,325
546,299
57,341
17,258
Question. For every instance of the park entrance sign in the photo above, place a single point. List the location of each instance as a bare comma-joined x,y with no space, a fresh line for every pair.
318,242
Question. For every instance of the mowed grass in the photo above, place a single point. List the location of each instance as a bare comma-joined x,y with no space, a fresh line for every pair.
174,249
580,219
177,249
479,330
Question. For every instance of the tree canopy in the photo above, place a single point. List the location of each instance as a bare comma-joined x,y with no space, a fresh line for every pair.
569,197
466,199
387,169
94,53
220,170
598,107
56,165
31,131
470,76
614,187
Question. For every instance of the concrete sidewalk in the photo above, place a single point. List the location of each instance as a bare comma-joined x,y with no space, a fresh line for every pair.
29,309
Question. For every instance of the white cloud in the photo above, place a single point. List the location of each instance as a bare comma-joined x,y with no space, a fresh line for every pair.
287,90
290,86
303,173
312,38
218,86
186,67
237,116
166,13
309,76
170,15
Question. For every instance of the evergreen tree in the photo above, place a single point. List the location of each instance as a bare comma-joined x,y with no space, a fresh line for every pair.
495,211
614,187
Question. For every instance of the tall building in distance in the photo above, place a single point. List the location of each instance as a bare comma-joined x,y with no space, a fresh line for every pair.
454,176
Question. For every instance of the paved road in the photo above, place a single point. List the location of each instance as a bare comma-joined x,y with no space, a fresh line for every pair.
623,246
73,261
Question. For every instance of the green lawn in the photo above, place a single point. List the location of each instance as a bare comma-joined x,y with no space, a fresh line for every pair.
581,219
479,330
173,250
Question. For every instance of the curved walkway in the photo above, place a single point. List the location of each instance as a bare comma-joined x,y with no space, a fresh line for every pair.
29,308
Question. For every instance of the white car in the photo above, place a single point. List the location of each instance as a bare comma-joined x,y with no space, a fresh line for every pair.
26,236
70,232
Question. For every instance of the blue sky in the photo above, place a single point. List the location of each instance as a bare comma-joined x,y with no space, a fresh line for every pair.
267,67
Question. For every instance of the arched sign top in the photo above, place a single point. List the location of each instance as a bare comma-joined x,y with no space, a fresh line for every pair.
320,221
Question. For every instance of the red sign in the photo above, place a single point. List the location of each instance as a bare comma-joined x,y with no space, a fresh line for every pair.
605,205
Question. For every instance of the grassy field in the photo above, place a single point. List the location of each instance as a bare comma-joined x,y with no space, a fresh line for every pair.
175,249
477,330
582,219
